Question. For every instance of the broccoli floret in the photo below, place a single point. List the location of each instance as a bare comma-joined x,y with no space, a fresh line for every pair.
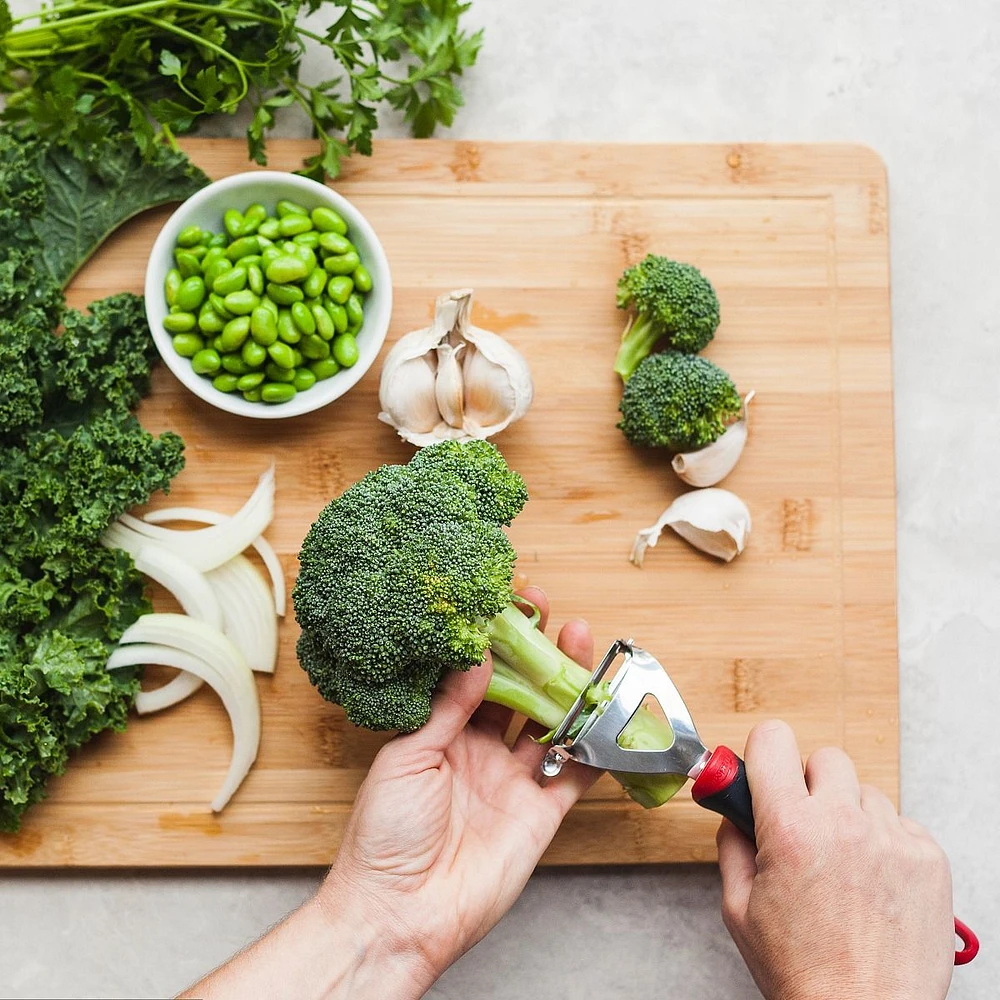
677,401
674,303
408,574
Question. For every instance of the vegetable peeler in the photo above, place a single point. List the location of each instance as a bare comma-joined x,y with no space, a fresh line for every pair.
720,778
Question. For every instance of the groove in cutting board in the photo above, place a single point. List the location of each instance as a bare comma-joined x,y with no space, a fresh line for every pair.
802,626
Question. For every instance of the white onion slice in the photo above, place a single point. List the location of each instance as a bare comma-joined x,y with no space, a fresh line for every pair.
248,611
201,516
192,590
203,548
167,695
241,702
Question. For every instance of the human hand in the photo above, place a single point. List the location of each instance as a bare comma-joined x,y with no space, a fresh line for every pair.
842,899
450,823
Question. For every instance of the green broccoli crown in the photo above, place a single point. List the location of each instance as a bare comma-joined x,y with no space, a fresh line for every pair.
675,303
677,401
398,577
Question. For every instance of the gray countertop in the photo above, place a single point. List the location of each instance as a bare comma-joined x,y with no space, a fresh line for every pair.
918,82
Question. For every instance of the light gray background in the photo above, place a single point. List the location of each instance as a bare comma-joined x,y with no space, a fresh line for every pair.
918,81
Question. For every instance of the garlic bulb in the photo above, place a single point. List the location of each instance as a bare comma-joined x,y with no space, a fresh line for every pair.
453,381
711,464
715,521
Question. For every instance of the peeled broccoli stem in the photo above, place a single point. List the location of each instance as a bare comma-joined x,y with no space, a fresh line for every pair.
638,341
534,677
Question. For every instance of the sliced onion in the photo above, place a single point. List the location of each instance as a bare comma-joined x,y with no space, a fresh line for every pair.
193,591
167,695
240,700
201,516
248,610
203,548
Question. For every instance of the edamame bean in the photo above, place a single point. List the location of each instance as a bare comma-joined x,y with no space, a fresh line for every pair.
209,321
345,350
315,348
252,218
302,317
250,381
269,254
362,279
255,279
355,311
305,255
346,263
216,344
276,374
281,354
187,263
249,261
303,380
213,254
172,284
277,392
187,345
232,219
286,207
225,382
234,364
243,247
315,284
252,396
287,330
215,270
218,303
335,243
243,303
293,224
270,305
324,369
328,221
285,269
263,326
191,294
339,288
339,316
218,240
284,295
234,333
232,280
324,324
310,239
269,228
179,322
189,236
253,354
206,361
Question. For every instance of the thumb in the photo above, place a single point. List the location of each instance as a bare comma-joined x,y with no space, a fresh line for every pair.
738,867
458,695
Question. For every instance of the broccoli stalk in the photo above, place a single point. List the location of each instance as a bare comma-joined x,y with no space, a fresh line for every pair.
408,575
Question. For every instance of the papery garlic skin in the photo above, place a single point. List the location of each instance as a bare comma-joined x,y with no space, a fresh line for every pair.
715,521
453,381
711,464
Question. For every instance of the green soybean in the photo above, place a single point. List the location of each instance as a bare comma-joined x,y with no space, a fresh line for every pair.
213,254
215,270
302,317
284,295
269,228
324,369
179,322
255,279
315,284
310,239
187,345
234,364
232,219
270,305
287,330
346,263
324,323
218,240
218,303
277,392
269,254
335,243
281,354
253,354
287,268
187,263
345,350
339,316
216,344
191,294
206,362
243,303
355,311
243,247
233,280
286,207
172,284
303,380
293,224
263,326
362,279
250,381
276,374
315,348
189,236
225,382
340,288
252,395
305,255
234,333
252,218
251,260
209,321
327,220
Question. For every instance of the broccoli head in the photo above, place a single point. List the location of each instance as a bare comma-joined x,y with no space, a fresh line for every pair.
674,304
677,401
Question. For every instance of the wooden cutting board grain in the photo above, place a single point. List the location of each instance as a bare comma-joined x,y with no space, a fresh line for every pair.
802,626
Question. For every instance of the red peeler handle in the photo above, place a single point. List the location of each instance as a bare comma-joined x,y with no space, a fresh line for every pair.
722,787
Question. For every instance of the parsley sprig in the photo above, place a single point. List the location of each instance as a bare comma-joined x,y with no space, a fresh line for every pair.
81,70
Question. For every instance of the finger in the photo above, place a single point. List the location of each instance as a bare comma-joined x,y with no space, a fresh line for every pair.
493,719
774,767
738,868
526,747
458,695
830,775
878,805
577,642
536,596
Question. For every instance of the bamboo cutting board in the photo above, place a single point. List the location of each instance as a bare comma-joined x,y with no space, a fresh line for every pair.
802,626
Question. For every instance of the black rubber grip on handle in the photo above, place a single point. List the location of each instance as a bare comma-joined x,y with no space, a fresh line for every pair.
723,788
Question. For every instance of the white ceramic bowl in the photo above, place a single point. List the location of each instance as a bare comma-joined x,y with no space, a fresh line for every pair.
205,209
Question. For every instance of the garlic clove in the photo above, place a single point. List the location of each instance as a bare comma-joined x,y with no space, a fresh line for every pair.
407,393
448,388
715,521
711,464
498,385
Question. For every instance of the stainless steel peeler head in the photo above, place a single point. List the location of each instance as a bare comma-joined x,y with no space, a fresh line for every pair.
597,742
